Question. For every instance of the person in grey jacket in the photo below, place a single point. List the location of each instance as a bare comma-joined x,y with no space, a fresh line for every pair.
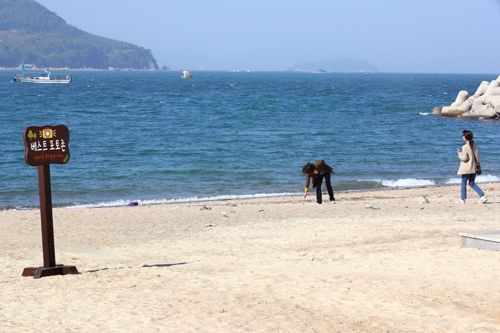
317,171
469,160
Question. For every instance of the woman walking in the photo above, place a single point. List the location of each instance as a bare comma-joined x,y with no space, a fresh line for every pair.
469,160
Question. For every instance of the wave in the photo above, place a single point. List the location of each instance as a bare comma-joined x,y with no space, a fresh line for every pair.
118,203
412,182
375,184
479,179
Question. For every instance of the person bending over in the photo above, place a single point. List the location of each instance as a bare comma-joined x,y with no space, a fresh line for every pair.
317,171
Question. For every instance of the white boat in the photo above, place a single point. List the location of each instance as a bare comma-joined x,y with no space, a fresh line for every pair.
46,78
186,75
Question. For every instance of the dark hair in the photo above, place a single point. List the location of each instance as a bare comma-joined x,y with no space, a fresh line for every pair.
308,168
468,136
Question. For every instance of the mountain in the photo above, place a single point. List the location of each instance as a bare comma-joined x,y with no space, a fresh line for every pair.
337,65
30,33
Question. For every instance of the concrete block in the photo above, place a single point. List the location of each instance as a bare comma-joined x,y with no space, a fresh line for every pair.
483,240
461,97
481,89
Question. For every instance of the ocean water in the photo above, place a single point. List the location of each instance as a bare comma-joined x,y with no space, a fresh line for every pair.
154,137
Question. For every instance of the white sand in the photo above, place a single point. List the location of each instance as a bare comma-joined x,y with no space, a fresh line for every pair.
265,265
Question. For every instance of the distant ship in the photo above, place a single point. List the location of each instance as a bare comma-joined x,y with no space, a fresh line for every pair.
45,78
186,75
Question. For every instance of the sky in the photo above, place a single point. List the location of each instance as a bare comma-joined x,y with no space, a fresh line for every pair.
408,36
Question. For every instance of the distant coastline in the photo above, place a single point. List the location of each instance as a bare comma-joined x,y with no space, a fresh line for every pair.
80,69
61,69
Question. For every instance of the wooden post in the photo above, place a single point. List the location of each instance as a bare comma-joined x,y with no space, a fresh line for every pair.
43,160
49,255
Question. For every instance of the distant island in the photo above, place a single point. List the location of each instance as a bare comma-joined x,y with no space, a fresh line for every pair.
32,34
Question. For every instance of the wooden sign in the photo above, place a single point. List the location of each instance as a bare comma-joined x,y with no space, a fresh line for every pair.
44,146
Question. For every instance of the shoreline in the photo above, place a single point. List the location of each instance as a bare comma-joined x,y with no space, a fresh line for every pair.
150,202
376,261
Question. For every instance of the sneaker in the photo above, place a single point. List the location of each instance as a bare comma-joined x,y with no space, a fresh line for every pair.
332,202
482,200
317,203
460,202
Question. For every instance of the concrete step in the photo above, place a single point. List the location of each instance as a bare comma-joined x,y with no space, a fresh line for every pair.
484,240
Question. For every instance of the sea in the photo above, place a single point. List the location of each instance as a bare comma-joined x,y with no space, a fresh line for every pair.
156,138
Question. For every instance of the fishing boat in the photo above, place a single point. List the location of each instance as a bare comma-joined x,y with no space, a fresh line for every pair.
19,76
46,77
186,75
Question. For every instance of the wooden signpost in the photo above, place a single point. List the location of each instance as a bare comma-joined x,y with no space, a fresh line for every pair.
44,146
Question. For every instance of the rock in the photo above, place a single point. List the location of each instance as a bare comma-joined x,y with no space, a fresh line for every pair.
467,105
483,112
492,100
449,111
493,85
487,112
423,199
482,88
461,97
478,103
481,105
445,110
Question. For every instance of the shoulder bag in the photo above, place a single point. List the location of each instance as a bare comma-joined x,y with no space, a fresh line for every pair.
478,166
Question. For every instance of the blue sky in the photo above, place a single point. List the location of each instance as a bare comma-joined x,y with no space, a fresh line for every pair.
423,36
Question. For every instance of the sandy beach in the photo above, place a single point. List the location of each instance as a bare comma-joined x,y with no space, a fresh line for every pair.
377,261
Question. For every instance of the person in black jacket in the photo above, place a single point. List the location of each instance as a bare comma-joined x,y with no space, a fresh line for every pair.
317,171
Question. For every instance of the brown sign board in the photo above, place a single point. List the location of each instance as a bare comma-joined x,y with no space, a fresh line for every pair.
46,145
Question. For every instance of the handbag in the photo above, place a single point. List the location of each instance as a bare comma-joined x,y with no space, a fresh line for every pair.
478,166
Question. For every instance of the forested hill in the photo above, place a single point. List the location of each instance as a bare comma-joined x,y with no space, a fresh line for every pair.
30,33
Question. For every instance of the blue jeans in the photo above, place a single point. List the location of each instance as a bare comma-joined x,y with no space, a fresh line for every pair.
463,189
